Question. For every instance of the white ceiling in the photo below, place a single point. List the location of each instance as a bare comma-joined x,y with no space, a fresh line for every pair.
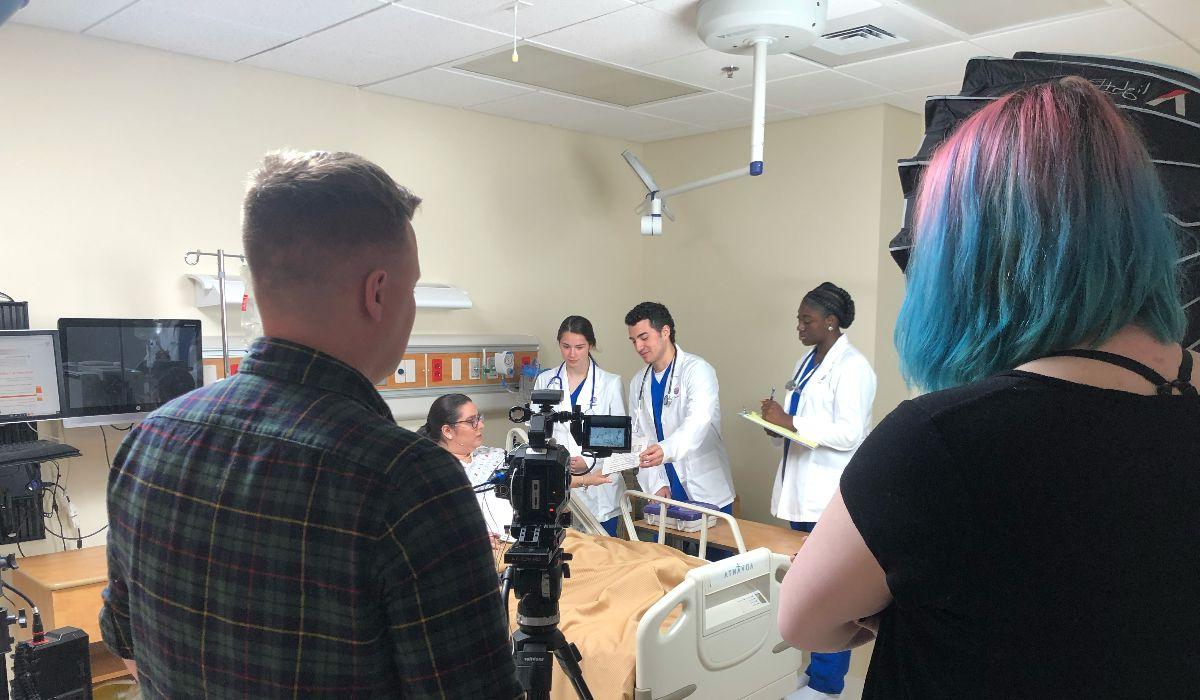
409,48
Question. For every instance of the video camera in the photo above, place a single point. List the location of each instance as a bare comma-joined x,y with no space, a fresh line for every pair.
536,479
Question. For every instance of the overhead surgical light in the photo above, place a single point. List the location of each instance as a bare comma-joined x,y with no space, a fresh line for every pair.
743,27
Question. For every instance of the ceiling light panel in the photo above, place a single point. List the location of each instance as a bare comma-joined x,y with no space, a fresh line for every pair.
552,70
448,87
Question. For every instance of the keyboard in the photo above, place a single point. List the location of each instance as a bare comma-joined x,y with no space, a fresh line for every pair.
35,451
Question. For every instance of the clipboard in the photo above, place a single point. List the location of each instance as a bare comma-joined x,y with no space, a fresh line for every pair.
755,418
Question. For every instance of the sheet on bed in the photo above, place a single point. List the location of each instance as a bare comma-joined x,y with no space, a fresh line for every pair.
613,582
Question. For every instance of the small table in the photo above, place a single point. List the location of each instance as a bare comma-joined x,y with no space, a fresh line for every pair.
66,587
777,539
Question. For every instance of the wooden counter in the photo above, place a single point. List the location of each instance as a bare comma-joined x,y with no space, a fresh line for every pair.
66,587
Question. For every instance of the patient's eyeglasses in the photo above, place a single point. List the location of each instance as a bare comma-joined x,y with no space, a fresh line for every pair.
473,421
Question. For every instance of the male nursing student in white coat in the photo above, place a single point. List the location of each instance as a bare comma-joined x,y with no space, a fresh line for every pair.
828,400
596,392
674,402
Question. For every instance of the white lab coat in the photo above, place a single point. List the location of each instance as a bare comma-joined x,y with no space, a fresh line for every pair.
835,411
691,430
602,500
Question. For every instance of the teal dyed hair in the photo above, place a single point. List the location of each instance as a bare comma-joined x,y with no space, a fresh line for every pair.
1040,226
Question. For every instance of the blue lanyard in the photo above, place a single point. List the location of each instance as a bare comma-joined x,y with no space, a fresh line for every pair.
805,373
807,368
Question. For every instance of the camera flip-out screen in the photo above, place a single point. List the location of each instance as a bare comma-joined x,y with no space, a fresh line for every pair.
607,432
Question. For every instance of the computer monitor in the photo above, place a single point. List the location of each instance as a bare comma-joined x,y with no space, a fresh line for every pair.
30,369
120,369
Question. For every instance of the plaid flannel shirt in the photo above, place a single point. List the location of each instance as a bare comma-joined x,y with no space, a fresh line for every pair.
278,535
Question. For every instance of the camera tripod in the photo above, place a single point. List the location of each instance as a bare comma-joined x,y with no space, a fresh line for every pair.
535,573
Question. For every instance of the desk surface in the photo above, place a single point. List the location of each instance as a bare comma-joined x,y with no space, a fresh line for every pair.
69,569
777,539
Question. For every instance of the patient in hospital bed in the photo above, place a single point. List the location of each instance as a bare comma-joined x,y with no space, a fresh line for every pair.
455,423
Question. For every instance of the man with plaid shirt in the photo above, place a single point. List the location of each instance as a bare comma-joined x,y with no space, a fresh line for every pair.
277,534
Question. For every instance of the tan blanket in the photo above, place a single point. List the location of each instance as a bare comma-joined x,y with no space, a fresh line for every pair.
613,582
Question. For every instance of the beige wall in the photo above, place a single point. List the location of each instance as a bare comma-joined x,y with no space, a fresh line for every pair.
736,263
118,159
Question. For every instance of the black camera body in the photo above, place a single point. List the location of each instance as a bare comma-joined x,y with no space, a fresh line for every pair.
537,477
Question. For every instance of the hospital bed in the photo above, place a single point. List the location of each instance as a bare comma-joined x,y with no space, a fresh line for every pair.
699,630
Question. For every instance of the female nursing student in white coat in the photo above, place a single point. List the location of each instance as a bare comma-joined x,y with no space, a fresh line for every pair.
674,402
596,392
828,400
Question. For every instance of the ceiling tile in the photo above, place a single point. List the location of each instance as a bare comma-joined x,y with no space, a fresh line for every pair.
448,87
980,17
631,37
806,93
384,44
68,15
544,16
225,30
1110,31
703,68
849,104
781,116
683,10
578,115
1177,55
1180,17
916,69
677,132
706,110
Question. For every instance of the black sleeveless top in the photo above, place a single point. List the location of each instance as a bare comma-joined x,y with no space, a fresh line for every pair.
1040,537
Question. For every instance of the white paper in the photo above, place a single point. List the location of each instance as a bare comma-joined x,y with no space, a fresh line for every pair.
621,462
456,369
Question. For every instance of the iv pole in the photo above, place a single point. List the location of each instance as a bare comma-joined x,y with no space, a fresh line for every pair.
193,258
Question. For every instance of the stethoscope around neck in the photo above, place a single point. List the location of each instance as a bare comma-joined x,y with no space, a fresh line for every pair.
668,395
796,380
563,387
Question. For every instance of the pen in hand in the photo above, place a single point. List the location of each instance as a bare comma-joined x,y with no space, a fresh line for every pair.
772,394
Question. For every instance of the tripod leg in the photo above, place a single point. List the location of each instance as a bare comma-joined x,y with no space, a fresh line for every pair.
568,658
531,652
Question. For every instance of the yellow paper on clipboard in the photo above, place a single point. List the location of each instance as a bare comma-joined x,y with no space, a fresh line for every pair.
755,418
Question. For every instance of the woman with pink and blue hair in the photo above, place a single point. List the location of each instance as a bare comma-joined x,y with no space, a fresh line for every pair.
1029,528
